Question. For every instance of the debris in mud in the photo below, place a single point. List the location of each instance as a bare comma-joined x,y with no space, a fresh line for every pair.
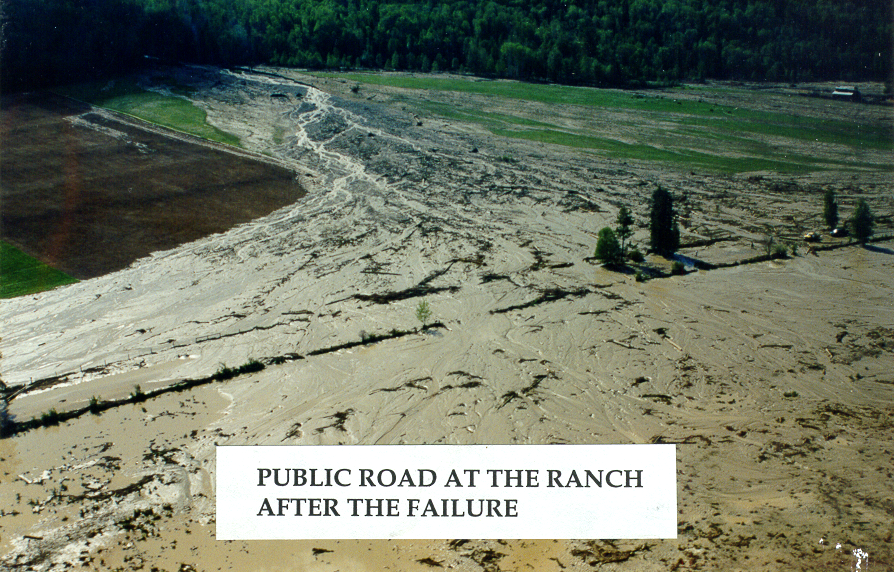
295,432
488,559
624,344
742,541
327,127
713,531
160,454
688,440
492,277
412,384
477,260
575,201
540,260
784,187
528,391
508,397
341,417
414,292
873,343
473,380
787,451
547,296
605,552
115,493
421,289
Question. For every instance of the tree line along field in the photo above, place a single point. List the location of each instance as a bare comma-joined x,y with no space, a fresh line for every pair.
88,191
599,42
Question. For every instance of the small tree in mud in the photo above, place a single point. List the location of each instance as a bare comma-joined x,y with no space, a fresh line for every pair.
664,234
608,250
624,229
862,222
423,312
830,208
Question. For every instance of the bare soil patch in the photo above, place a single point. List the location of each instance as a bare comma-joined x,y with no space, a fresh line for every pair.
90,191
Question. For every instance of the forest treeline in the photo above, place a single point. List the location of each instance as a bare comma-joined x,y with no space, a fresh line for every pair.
596,42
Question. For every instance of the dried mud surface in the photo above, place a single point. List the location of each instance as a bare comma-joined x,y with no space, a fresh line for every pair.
773,378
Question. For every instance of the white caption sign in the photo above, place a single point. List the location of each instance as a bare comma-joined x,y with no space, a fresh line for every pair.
446,491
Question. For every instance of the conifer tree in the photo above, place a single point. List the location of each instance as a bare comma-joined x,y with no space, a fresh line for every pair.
607,248
624,229
862,222
423,312
664,234
830,208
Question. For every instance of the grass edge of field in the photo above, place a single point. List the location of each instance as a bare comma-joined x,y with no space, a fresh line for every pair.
29,274
175,112
714,120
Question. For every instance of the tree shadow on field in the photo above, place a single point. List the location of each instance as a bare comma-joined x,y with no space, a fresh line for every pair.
879,249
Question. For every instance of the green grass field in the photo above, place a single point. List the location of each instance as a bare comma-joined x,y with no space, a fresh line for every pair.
169,111
21,274
692,133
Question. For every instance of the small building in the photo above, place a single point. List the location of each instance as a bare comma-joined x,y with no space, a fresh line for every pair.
846,93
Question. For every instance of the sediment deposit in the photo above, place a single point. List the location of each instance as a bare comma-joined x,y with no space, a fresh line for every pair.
773,378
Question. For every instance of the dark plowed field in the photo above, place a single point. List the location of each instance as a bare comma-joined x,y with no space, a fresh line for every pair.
90,192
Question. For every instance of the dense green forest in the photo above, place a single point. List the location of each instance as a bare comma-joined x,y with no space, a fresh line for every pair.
597,42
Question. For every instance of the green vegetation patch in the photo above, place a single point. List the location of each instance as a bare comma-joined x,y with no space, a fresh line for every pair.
856,135
169,111
687,144
685,158
489,119
554,94
682,132
21,274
